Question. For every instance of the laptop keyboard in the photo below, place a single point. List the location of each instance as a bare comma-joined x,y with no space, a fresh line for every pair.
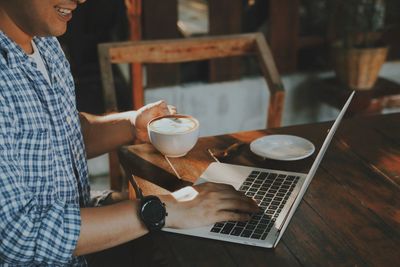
270,191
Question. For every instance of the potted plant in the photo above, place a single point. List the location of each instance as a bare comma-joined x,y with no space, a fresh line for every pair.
358,53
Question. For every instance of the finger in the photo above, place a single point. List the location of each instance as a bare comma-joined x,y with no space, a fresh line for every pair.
224,192
172,109
228,191
161,108
154,104
242,198
237,204
211,186
226,215
154,109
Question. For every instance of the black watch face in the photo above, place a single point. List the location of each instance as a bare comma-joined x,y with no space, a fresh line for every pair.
153,212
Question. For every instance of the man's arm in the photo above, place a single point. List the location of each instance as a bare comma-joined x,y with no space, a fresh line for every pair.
109,226
103,134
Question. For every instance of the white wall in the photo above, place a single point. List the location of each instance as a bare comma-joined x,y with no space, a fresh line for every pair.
241,105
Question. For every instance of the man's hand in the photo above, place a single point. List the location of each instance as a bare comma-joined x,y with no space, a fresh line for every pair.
206,204
146,114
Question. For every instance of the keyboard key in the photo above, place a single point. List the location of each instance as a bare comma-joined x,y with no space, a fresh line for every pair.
265,221
216,229
259,231
262,225
237,231
290,178
250,227
275,203
246,233
273,207
244,188
264,236
241,224
252,222
262,176
256,236
219,224
258,197
254,173
256,217
250,179
270,212
227,228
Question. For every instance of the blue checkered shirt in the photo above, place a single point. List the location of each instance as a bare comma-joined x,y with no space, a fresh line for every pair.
40,146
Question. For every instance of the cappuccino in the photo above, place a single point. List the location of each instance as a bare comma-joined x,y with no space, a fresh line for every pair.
172,125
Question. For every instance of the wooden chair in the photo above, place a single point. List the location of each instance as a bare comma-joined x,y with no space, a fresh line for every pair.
185,50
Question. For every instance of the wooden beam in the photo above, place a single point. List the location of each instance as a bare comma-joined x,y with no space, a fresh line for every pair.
274,82
134,13
160,22
283,33
168,51
225,17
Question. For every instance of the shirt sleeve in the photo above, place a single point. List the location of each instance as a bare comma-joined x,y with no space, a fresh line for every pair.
31,233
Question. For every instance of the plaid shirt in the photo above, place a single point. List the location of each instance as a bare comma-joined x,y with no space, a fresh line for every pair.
40,145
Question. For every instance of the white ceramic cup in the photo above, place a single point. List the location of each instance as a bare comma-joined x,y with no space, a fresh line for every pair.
173,135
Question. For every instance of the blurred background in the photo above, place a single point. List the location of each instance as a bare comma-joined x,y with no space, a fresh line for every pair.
301,34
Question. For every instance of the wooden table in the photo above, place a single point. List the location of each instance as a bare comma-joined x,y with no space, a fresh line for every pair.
350,215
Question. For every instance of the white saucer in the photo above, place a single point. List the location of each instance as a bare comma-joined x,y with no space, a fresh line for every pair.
282,147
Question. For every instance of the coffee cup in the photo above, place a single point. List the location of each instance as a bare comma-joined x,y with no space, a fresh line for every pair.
173,135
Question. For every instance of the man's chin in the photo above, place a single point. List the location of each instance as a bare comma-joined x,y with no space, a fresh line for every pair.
53,32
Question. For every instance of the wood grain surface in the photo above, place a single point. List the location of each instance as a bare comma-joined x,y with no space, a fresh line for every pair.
350,215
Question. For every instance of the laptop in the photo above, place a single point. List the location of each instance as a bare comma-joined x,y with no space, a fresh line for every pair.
278,194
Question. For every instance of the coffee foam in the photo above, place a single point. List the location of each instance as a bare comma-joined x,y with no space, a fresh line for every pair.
172,125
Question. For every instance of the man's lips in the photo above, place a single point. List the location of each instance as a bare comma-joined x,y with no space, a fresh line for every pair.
65,12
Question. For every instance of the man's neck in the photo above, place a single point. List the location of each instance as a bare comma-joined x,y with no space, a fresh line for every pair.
15,33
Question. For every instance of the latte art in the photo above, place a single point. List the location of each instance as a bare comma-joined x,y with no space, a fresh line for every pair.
173,125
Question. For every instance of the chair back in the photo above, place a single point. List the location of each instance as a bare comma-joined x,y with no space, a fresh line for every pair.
187,50
138,53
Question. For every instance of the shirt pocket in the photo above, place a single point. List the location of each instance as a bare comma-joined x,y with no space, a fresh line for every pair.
36,158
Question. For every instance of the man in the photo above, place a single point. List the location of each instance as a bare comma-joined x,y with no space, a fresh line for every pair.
45,218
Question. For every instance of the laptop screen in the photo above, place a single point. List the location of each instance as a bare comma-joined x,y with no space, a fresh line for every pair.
315,166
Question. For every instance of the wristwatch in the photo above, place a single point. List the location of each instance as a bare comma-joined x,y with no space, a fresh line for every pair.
152,210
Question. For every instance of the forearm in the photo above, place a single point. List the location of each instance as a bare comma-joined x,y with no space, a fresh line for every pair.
115,224
109,226
204,204
105,133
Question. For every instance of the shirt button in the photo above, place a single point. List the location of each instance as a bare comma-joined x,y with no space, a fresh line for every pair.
69,120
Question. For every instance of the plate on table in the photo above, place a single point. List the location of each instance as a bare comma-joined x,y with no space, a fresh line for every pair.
282,147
